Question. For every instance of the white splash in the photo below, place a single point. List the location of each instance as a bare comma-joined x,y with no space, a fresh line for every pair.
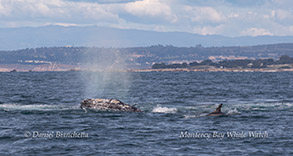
233,111
159,109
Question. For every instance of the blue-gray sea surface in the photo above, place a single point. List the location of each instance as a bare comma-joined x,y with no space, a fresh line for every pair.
40,114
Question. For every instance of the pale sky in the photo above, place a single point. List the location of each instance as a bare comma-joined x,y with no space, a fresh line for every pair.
218,17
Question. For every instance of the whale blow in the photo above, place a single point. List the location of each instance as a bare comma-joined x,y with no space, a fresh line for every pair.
107,104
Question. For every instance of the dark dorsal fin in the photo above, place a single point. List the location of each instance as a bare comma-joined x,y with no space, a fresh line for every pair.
219,108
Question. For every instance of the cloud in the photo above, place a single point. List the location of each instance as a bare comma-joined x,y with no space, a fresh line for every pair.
4,11
153,8
256,32
221,17
202,14
103,1
246,3
56,11
148,7
92,12
282,14
291,28
207,30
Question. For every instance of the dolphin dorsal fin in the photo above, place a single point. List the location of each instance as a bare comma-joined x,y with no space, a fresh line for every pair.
219,108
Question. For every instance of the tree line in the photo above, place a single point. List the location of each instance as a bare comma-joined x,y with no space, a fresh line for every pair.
245,63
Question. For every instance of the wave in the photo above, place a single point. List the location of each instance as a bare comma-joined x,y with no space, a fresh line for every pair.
234,109
36,107
264,106
241,107
189,111
160,109
201,114
195,116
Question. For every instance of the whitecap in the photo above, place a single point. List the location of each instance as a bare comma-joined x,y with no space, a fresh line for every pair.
190,116
233,111
195,116
159,109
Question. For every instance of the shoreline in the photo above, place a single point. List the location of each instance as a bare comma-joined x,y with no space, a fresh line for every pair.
212,70
157,70
66,67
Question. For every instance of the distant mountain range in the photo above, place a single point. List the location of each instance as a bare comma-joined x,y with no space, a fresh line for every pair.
94,36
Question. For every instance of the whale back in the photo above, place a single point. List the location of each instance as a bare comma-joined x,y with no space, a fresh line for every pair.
108,104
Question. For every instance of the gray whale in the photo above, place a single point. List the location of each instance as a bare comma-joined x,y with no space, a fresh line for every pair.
217,112
107,104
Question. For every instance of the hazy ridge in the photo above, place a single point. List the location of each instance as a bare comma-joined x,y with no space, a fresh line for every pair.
94,36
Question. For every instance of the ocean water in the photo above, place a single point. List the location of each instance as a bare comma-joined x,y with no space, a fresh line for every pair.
40,114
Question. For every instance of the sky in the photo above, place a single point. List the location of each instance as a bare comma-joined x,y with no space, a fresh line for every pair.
231,18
